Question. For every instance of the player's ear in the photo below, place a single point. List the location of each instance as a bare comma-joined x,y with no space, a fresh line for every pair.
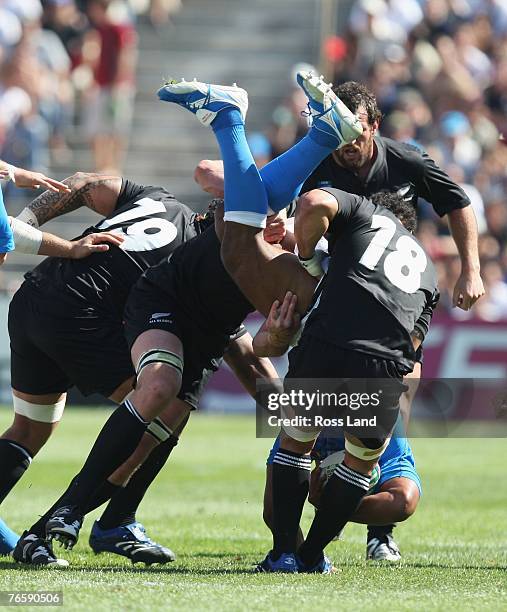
374,127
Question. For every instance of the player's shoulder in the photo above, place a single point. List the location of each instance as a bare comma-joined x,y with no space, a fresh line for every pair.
402,153
150,198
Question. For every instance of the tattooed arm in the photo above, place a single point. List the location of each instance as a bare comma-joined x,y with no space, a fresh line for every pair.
97,192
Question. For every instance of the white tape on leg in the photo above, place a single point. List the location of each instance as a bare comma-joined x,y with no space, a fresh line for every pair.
49,413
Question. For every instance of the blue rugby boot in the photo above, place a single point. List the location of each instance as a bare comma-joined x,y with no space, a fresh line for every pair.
8,539
203,99
129,541
286,564
324,566
326,112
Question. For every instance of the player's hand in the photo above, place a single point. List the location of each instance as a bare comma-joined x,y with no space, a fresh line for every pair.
283,321
209,174
94,243
36,180
275,229
3,257
468,289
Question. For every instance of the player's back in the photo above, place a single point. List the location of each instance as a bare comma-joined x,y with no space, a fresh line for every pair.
379,283
151,222
197,281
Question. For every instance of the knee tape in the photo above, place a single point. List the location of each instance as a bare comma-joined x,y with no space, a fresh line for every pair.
300,435
50,413
160,356
356,449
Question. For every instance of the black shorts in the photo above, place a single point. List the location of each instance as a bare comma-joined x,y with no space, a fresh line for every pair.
314,358
57,344
150,307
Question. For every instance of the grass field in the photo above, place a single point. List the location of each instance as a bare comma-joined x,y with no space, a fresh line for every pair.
206,505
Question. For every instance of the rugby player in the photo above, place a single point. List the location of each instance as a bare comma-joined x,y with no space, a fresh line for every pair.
389,283
65,325
393,495
368,165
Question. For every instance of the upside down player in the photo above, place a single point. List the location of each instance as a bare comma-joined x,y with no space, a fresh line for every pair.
390,287
66,328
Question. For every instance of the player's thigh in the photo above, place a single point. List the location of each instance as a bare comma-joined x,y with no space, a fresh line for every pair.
263,272
35,418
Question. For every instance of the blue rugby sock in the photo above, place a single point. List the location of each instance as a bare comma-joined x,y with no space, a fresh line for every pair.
284,176
8,539
245,198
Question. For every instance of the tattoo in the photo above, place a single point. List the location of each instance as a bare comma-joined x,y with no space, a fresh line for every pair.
50,205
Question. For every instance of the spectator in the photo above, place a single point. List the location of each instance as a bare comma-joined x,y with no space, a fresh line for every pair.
109,106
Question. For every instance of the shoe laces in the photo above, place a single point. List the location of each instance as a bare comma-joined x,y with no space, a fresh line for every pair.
311,114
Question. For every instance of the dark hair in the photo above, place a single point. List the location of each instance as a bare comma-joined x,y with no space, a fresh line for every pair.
400,208
354,95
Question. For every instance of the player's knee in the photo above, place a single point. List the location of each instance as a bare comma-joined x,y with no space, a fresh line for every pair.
158,392
406,501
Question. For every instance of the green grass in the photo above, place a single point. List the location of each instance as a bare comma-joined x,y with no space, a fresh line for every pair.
206,505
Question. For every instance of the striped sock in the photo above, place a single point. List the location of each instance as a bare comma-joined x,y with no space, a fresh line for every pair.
14,459
340,499
291,479
118,439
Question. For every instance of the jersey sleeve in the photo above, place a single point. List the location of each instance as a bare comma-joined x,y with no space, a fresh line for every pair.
435,186
129,193
422,324
6,237
348,205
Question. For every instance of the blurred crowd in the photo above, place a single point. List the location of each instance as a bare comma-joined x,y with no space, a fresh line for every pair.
439,71
67,68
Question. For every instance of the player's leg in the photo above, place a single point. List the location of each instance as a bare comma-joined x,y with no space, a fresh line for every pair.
260,276
39,387
350,481
118,531
35,418
158,356
267,513
395,501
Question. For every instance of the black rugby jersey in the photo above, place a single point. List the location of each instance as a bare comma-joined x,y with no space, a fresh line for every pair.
379,287
398,168
151,221
196,280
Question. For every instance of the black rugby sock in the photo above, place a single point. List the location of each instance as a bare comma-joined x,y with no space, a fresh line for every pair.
340,499
101,495
122,508
118,439
380,531
291,480
14,461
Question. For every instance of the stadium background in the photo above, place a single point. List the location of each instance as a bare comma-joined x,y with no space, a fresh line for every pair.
438,68
423,58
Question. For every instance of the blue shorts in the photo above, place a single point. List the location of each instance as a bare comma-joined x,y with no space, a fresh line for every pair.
397,461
